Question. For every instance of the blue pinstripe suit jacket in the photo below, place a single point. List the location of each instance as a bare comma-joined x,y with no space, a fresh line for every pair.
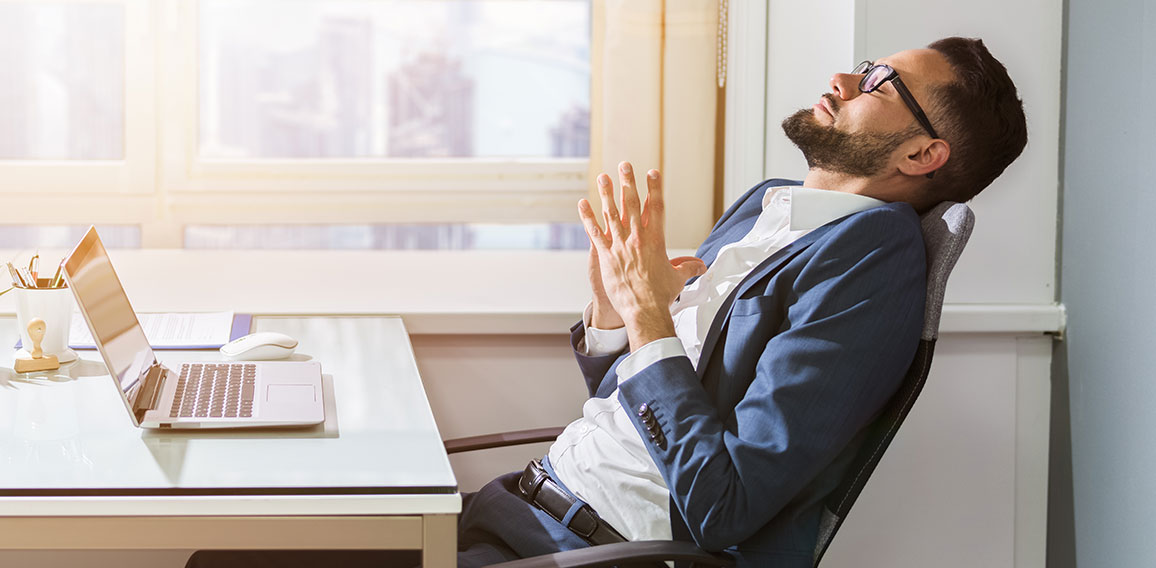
799,359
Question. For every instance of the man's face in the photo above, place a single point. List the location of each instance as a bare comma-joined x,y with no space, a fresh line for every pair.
859,134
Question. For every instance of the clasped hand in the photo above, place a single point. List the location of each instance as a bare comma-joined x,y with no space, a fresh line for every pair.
629,269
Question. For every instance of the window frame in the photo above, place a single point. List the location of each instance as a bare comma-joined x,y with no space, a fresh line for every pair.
349,190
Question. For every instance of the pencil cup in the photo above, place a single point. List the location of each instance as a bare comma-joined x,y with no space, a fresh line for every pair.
54,306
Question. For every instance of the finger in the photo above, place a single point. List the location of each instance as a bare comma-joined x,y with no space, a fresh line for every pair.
681,259
653,213
609,210
631,210
688,267
594,268
594,262
586,215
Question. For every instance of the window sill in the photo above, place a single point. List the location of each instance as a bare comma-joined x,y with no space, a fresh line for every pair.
436,292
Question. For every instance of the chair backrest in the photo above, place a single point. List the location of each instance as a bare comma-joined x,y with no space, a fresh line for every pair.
946,228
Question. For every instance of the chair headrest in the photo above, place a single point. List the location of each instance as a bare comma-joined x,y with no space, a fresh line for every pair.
946,229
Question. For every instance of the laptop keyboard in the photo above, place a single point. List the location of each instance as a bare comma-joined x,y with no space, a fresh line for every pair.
215,390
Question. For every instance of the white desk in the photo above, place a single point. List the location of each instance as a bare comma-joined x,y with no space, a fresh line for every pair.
76,474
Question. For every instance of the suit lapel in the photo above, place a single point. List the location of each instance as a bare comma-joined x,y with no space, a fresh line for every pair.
767,267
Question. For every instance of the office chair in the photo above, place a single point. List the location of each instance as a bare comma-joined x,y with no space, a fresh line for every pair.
946,229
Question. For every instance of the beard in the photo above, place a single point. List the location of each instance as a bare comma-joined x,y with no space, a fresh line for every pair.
861,154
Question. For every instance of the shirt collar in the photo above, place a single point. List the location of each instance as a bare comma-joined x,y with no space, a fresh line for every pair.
810,208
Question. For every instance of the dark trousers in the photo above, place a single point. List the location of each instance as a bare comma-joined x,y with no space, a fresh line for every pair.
496,525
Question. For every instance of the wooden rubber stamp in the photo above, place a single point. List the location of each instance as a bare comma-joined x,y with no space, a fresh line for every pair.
38,361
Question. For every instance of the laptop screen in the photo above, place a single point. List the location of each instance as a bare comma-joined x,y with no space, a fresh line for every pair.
105,306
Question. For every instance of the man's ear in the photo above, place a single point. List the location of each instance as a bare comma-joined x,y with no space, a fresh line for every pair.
925,158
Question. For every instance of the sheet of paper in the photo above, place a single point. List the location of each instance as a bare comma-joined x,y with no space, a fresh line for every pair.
170,330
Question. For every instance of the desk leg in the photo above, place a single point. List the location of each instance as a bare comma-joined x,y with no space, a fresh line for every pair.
439,546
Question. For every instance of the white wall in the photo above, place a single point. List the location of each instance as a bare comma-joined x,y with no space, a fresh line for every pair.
807,42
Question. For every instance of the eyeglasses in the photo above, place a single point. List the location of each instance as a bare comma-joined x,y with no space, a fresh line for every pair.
875,75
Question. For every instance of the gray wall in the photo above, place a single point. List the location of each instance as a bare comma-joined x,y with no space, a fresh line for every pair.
1108,365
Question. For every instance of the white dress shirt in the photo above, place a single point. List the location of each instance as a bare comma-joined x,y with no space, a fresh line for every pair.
600,457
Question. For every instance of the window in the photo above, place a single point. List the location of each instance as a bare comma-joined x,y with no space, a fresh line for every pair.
401,79
34,237
445,236
62,71
312,123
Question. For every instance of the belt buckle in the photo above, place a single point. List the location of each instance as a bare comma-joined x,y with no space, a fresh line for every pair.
531,482
532,479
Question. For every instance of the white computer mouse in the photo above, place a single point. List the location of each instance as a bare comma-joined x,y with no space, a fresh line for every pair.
260,346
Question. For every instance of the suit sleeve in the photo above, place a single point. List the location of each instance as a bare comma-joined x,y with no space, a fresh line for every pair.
595,368
850,327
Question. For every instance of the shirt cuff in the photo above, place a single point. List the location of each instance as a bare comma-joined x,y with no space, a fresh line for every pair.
649,354
598,342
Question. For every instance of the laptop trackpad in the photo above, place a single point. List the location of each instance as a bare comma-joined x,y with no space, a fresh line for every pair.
291,393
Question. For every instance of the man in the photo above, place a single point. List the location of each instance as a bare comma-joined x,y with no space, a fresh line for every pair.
724,410
727,390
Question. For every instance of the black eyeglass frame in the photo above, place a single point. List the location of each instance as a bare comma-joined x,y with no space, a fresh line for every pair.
865,68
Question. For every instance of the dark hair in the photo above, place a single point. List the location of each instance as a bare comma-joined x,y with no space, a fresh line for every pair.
982,118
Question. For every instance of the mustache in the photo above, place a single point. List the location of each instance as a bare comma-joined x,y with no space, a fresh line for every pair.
833,102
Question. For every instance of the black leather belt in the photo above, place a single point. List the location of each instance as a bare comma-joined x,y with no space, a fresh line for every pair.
536,485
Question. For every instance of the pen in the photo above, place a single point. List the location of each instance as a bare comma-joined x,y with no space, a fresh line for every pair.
25,275
17,279
56,277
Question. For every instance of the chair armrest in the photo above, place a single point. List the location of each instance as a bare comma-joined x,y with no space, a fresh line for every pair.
654,551
502,439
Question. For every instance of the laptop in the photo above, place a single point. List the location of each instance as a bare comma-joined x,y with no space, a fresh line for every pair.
196,394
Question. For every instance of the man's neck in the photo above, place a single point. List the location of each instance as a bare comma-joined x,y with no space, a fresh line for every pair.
821,179
885,188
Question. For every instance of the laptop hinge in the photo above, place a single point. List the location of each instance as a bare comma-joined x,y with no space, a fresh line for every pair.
150,389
